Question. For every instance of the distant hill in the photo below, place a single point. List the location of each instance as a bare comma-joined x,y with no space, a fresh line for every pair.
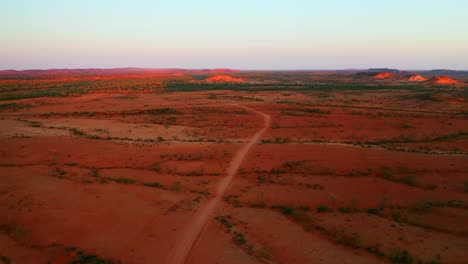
54,73
445,72
377,75
417,78
441,72
385,75
220,70
224,79
444,80
383,70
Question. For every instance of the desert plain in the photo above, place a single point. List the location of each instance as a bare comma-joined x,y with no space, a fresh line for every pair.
223,166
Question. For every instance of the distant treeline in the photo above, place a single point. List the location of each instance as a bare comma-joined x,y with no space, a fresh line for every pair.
35,89
186,86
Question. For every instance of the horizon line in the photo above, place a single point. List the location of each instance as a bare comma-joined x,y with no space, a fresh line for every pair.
229,69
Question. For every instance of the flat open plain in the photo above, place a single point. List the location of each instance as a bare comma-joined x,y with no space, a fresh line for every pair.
158,169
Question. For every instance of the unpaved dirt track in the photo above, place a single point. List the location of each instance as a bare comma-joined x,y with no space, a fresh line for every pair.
184,246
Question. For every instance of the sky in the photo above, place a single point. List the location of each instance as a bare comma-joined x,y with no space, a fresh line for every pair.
239,34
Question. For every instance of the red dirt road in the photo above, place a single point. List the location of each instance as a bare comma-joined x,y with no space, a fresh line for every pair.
190,236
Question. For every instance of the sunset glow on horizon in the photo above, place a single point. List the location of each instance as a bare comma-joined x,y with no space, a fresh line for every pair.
297,34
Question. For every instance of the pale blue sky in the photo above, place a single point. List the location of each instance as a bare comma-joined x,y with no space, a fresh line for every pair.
243,34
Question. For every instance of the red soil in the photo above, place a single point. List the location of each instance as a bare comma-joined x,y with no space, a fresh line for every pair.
189,237
224,78
456,100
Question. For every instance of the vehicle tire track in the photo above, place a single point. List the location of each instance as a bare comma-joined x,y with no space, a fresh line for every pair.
190,237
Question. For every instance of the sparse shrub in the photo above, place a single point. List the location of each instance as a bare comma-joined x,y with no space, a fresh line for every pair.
60,171
154,185
299,214
322,209
325,171
401,256
352,240
14,106
341,237
315,186
280,140
124,181
308,110
386,172
374,211
76,132
422,206
277,171
94,172
375,250
264,252
405,126
287,210
354,172
430,186
224,219
162,111
34,124
383,202
426,205
454,204
259,205
239,238
195,173
103,180
82,258
5,260
156,167
350,208
409,180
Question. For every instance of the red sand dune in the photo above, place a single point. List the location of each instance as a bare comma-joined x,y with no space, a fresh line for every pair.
444,80
417,78
385,75
224,78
